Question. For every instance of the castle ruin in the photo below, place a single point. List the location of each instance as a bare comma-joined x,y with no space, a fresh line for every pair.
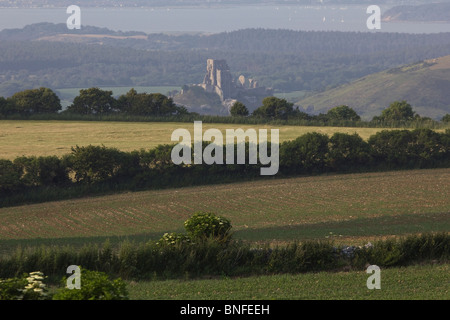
219,80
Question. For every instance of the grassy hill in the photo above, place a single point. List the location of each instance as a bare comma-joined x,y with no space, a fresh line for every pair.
425,85
425,12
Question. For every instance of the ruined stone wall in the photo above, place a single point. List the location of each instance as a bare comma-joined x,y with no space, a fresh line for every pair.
218,80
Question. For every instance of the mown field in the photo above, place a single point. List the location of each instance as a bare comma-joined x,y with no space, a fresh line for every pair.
426,282
45,138
351,208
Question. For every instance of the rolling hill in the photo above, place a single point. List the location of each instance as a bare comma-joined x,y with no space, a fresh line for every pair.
425,85
428,12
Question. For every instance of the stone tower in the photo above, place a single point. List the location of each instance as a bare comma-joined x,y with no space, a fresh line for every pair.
218,79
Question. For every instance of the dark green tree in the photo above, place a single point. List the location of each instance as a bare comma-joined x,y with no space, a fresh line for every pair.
348,152
238,109
398,111
10,176
145,104
343,113
6,107
42,100
93,101
274,108
446,118
307,153
94,163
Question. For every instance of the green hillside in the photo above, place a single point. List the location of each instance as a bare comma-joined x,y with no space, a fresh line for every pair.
425,85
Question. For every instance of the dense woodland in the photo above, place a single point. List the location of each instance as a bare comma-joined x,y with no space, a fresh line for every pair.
282,59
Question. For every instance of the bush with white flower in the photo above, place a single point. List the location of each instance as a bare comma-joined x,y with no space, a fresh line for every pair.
172,239
206,225
28,287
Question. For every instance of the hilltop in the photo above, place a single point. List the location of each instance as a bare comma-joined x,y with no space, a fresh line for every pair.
424,85
430,12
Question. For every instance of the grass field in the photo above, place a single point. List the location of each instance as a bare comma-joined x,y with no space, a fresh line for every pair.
351,208
428,282
43,138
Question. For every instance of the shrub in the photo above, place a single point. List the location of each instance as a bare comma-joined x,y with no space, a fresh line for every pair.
173,239
95,285
27,287
11,289
10,175
306,154
348,152
204,225
303,257
94,163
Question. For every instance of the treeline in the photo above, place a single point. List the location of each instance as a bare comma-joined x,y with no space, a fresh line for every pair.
97,104
294,60
398,113
96,169
92,101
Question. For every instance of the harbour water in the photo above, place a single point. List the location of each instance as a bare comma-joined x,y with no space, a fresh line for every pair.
218,19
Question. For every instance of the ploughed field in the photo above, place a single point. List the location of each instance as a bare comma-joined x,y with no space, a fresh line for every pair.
350,208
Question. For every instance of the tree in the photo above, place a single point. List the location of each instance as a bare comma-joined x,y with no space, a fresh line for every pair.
348,152
301,115
238,109
446,118
146,104
6,107
10,176
50,171
398,111
94,163
275,108
307,153
343,113
42,100
93,101
389,147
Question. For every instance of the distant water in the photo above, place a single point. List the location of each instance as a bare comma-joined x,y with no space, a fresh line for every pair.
218,19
